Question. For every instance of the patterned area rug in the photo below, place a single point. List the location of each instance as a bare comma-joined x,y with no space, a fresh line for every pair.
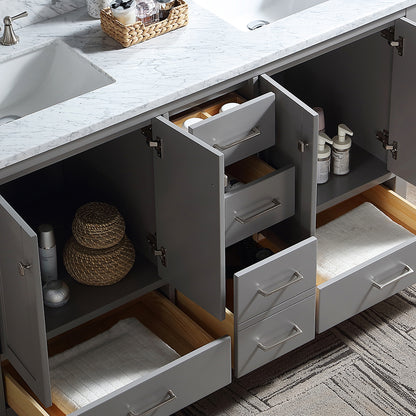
365,366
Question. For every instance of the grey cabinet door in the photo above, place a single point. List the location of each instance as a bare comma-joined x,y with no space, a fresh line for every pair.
403,95
189,197
23,321
296,140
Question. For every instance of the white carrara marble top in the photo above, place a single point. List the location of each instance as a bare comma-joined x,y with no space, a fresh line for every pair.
156,72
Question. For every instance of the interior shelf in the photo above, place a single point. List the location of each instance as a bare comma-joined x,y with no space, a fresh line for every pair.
366,171
88,302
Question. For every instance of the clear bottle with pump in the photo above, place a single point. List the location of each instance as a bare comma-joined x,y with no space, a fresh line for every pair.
341,150
324,158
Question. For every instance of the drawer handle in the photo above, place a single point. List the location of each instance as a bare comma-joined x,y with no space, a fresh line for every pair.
275,205
406,271
254,132
296,277
171,396
297,332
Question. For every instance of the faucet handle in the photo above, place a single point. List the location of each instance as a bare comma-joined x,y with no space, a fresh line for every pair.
18,16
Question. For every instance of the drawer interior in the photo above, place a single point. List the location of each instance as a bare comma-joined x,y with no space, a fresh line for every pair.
52,195
153,310
396,208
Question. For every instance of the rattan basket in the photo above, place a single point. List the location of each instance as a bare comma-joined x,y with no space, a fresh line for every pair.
98,225
135,33
98,267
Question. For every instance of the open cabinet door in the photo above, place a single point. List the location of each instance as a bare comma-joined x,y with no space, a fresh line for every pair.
189,196
403,104
23,321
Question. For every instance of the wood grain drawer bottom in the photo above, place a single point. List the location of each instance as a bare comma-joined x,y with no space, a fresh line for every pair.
161,392
376,279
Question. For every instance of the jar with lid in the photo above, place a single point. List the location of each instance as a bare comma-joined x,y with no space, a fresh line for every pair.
124,11
148,11
165,6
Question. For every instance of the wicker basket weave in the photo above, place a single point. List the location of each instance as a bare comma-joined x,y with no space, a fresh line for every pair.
98,225
100,267
128,35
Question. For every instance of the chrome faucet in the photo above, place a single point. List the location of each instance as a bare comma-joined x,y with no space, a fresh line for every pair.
9,37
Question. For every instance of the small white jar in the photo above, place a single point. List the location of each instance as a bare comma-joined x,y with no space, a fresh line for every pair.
124,11
188,122
94,7
228,106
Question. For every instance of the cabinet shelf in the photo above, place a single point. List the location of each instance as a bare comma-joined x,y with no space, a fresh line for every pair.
366,172
88,302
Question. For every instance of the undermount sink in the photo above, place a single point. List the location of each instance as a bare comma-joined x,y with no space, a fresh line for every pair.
249,15
44,77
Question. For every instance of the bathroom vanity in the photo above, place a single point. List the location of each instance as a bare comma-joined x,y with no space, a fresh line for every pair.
187,226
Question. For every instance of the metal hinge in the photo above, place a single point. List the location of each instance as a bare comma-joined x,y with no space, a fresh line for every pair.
302,146
157,252
153,143
389,34
383,136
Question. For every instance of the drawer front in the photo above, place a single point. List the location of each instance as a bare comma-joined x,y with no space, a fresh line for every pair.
172,387
240,131
365,285
274,336
259,204
274,280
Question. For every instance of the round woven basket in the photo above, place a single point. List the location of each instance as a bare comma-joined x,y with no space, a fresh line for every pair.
98,225
98,267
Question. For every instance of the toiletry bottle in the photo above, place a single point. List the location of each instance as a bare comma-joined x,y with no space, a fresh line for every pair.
341,151
324,158
148,11
47,253
165,6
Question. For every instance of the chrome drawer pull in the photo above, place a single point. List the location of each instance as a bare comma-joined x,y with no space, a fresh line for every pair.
269,347
171,396
275,205
254,132
406,271
296,277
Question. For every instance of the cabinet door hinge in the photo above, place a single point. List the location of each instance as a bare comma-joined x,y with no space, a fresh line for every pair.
157,252
389,34
152,143
383,136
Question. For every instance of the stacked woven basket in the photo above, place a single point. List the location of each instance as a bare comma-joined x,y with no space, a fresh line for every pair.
98,253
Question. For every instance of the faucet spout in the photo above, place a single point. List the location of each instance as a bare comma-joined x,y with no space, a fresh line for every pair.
9,36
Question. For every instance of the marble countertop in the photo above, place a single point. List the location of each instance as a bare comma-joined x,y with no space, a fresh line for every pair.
167,68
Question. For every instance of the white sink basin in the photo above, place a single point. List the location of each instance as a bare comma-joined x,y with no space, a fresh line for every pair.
241,13
43,77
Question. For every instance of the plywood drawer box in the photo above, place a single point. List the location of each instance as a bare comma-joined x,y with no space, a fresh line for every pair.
376,278
165,390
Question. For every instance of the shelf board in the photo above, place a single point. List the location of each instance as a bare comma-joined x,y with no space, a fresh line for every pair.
88,302
366,171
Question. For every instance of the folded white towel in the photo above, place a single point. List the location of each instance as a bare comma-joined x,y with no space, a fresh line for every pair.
105,363
354,238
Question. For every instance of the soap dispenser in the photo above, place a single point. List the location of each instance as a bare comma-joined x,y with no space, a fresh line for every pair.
324,158
341,150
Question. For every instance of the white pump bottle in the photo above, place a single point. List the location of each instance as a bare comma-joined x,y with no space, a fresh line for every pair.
324,157
341,150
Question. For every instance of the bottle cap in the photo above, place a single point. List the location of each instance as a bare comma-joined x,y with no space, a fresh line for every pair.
46,236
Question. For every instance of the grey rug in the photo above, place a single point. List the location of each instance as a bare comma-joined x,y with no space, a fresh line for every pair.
365,366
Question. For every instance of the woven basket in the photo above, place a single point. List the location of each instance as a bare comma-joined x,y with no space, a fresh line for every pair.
135,33
98,225
100,267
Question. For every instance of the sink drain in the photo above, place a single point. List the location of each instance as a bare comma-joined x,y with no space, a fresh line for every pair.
255,24
8,119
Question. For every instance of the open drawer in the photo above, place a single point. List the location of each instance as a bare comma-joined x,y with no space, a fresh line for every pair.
375,279
163,390
237,132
